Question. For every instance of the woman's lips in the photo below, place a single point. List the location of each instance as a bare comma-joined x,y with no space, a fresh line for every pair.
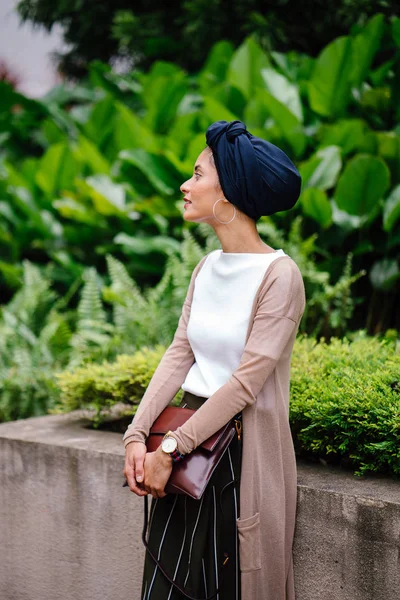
187,202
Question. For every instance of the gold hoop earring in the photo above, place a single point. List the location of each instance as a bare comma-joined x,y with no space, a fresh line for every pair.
223,222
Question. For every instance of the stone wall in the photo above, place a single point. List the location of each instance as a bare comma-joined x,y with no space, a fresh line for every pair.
69,531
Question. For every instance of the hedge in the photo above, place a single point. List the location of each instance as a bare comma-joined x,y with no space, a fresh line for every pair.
344,405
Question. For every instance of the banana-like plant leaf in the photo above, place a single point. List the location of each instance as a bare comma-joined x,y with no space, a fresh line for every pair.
155,169
100,125
350,134
89,154
330,85
245,67
163,244
396,31
130,131
108,197
76,211
316,205
365,46
391,210
287,93
322,170
215,111
57,170
164,89
362,184
216,66
287,125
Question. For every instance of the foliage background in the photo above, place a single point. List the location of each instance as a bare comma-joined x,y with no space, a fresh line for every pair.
95,257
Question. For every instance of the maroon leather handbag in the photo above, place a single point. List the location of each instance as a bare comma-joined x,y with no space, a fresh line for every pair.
191,475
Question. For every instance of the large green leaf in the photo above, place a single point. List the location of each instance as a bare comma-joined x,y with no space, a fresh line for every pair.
389,150
350,134
245,67
391,210
142,245
215,111
216,66
365,46
384,274
99,127
76,211
287,93
154,167
89,154
256,112
286,124
228,96
396,30
330,84
317,206
57,169
163,91
131,132
362,184
322,170
108,197
182,133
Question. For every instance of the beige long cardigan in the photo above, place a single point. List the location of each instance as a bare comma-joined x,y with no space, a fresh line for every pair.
259,387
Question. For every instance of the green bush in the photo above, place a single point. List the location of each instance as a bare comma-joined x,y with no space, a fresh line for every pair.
345,398
345,402
101,386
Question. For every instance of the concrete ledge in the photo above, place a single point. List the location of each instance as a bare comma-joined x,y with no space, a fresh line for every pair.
69,531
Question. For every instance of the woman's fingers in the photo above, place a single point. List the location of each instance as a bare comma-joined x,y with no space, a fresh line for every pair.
133,470
139,470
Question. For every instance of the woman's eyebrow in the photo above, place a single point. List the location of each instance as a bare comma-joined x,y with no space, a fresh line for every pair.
198,168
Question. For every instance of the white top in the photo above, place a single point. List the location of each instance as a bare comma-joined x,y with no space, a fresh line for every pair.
224,292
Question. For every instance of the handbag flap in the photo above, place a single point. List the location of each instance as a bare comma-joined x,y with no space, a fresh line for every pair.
173,417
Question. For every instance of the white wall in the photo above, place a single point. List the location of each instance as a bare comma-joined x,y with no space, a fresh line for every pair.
26,51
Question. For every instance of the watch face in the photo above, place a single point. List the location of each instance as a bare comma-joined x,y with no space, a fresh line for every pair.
169,444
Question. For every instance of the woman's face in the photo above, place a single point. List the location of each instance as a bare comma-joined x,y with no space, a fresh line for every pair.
202,190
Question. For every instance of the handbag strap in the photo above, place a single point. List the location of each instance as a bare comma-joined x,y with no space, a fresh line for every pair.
159,565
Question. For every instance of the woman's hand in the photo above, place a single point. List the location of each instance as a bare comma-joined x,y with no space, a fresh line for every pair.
135,453
157,470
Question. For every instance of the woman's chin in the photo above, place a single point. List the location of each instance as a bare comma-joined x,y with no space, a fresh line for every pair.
188,212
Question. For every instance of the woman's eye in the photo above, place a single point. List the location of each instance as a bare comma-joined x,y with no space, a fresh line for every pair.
197,175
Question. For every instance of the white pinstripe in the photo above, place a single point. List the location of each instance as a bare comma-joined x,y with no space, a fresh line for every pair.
191,541
215,542
236,548
154,506
204,578
152,514
180,554
161,544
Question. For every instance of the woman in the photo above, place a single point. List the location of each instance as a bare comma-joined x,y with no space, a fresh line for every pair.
231,353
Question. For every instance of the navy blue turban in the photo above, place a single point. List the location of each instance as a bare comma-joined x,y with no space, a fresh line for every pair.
256,176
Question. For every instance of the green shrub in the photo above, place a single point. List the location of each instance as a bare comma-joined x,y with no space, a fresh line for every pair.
345,398
101,386
345,402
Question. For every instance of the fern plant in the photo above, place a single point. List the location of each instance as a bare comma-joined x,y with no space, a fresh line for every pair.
34,341
329,306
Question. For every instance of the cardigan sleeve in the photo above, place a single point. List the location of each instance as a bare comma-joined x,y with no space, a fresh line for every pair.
280,307
168,376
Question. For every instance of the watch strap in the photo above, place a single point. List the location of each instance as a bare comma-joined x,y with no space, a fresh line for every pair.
175,454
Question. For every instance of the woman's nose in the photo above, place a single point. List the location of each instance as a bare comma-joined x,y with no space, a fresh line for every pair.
185,187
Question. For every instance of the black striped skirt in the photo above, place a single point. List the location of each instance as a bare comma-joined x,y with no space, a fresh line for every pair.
193,538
